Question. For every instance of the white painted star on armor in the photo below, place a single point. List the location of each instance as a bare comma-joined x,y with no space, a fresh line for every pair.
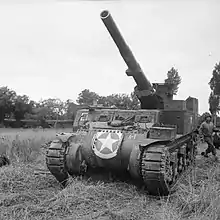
107,142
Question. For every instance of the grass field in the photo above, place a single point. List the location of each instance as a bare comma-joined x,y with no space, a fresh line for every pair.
25,195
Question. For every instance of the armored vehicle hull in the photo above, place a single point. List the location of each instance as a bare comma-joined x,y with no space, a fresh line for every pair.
153,155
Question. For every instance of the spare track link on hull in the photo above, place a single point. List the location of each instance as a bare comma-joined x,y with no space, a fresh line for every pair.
158,171
55,160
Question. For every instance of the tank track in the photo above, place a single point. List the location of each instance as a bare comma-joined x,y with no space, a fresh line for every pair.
161,166
55,161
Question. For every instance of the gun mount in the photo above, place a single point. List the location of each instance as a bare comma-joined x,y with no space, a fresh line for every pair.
144,89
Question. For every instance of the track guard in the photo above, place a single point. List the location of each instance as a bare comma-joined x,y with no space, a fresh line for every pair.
64,137
135,156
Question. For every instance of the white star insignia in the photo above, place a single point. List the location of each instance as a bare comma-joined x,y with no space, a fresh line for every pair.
105,139
107,142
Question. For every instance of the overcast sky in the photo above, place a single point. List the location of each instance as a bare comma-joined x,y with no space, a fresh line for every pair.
55,49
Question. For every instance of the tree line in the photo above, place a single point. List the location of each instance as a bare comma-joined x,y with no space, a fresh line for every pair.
20,107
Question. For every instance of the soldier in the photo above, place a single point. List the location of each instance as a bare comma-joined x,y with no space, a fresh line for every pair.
206,129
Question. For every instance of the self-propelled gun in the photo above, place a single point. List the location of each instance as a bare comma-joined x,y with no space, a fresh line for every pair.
154,145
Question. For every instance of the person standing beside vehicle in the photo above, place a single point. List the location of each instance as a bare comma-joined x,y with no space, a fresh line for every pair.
206,129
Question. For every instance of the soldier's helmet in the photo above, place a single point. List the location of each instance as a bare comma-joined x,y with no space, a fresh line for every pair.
208,116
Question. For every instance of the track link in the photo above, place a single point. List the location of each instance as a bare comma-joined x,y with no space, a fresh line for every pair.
153,170
55,160
160,169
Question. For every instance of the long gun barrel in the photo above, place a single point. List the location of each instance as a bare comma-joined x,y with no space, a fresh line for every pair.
134,68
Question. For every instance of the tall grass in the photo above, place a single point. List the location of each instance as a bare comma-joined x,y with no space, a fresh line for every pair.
25,145
24,195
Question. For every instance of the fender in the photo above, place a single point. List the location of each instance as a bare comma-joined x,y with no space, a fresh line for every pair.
150,142
64,137
134,160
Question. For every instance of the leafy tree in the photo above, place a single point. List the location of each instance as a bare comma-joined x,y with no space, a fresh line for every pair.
71,109
86,97
214,82
213,103
122,101
135,103
173,80
56,108
103,100
7,98
21,106
119,100
39,113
